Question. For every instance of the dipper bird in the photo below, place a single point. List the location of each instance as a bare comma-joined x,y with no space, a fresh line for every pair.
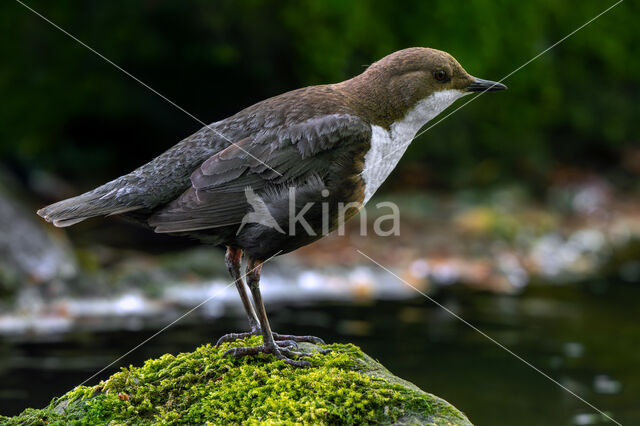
284,172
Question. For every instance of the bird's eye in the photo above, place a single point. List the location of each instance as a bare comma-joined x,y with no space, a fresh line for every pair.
440,75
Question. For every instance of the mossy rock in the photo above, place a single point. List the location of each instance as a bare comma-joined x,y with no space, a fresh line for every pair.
345,386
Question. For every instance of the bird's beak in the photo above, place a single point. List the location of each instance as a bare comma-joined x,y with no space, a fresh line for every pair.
480,85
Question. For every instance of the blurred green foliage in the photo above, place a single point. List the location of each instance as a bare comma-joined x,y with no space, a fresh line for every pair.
67,111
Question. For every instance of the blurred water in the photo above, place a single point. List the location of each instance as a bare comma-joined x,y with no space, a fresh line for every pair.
587,337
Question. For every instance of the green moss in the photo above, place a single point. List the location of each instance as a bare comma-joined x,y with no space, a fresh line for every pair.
345,386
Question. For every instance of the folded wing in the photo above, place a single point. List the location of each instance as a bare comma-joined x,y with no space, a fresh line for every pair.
265,162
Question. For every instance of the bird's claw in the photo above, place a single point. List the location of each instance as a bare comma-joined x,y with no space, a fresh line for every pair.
299,339
280,352
282,340
231,337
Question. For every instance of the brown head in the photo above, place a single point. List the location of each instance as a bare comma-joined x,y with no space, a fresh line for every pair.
396,83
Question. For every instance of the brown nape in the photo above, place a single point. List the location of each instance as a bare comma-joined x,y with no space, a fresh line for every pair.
386,90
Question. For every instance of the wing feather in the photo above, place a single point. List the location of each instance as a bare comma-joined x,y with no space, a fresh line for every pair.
298,153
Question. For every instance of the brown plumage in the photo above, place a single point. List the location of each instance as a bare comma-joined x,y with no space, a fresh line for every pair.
318,142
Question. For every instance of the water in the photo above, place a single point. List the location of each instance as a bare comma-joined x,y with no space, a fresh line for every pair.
586,337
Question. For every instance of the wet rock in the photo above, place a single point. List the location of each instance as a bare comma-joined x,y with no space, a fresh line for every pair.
344,386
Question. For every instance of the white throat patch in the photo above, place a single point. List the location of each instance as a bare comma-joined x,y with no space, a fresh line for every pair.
387,147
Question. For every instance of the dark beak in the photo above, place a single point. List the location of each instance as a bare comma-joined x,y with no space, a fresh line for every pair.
480,85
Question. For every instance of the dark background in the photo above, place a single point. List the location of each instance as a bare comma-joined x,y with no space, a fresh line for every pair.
66,111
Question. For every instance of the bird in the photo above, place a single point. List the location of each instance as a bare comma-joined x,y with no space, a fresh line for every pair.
283,173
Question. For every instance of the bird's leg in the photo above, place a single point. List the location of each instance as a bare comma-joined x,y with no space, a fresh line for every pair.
269,345
233,259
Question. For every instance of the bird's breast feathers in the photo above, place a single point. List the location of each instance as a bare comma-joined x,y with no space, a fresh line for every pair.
388,145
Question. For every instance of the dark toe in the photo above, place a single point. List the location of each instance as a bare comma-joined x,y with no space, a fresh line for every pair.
286,344
308,339
280,353
231,337
244,351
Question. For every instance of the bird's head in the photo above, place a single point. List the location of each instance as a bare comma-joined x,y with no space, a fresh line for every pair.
409,76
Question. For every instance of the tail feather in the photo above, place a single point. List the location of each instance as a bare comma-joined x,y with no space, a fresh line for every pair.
149,186
61,223
101,201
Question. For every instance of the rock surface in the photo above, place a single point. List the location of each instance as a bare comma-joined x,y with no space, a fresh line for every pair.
345,386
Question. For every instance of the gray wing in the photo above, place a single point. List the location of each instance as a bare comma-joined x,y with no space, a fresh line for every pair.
264,163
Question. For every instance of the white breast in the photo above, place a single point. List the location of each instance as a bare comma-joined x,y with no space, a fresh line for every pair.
387,146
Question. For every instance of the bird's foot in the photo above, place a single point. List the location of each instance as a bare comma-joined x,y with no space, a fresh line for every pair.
280,352
232,337
282,340
290,337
